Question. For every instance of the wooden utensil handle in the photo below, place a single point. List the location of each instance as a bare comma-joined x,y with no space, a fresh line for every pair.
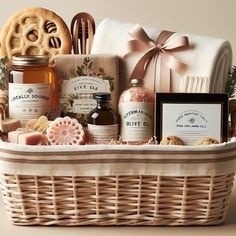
90,35
75,37
82,30
83,23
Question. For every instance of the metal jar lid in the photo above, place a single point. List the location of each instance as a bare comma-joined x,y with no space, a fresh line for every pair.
26,60
102,96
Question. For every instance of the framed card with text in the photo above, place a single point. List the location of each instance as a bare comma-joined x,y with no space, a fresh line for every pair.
191,116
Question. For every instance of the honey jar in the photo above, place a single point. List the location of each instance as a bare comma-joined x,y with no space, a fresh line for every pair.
31,87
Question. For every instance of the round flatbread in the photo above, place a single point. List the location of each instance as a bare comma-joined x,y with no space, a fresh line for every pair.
35,31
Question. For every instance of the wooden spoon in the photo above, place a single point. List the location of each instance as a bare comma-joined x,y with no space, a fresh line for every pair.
82,31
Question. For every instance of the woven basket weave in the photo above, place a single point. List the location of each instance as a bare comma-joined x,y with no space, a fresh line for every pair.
116,200
42,187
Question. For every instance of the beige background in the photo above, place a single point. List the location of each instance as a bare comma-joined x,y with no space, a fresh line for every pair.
215,18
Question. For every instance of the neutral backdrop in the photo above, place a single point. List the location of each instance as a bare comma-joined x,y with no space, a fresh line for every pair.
215,18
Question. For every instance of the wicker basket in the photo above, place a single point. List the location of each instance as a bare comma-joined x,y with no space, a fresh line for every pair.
117,185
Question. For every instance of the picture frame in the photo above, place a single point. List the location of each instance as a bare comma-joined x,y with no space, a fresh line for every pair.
191,116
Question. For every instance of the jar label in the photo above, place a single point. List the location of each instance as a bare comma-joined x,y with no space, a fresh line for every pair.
103,133
29,101
136,121
77,93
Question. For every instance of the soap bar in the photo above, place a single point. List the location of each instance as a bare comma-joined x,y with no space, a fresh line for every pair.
26,137
9,124
66,131
3,104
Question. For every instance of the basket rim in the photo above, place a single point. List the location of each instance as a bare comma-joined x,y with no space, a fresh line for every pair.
84,149
107,160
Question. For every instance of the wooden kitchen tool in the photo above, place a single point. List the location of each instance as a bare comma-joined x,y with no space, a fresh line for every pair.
82,31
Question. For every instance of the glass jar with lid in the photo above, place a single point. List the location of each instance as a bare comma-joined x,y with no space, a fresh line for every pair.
32,89
136,109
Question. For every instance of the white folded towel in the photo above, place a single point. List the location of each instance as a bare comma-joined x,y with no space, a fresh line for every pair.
207,57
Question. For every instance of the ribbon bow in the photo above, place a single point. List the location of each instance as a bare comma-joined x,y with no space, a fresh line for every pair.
162,48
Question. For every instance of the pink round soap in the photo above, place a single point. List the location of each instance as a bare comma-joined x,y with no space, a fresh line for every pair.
65,131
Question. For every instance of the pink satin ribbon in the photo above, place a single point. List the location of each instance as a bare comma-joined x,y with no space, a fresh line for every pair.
160,49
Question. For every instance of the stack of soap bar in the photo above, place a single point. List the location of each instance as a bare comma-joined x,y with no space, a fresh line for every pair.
26,137
9,124
6,124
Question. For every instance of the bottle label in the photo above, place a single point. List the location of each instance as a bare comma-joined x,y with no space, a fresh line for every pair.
84,105
78,92
29,101
103,133
136,121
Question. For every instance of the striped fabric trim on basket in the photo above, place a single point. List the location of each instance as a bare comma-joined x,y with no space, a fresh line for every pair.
125,150
99,160
117,156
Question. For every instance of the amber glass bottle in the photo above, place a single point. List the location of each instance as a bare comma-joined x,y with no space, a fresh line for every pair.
103,120
32,89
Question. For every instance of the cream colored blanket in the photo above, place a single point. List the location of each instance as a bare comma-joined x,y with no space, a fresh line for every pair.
208,59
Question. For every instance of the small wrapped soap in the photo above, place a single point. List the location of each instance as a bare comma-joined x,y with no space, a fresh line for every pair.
9,124
66,131
26,137
6,124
